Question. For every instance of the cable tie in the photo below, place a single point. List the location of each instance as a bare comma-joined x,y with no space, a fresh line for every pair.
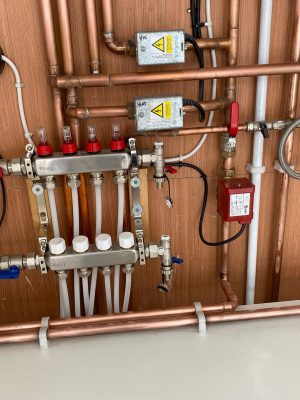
208,23
28,135
201,318
19,85
43,340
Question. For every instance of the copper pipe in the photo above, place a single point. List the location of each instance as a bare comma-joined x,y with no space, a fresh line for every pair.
149,314
156,323
91,22
122,111
65,32
65,82
53,66
190,131
284,185
108,30
228,158
210,43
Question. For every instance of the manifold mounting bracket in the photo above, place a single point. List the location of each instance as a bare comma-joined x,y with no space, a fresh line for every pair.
137,209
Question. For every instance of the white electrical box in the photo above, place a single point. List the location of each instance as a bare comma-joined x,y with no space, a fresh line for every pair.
164,47
158,113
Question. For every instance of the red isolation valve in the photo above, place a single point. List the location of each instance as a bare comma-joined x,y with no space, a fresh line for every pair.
233,119
235,200
68,146
117,143
1,173
93,145
43,149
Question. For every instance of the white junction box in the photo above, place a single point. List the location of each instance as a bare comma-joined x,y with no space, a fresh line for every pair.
164,47
158,113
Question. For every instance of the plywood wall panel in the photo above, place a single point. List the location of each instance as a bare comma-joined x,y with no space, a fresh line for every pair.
33,296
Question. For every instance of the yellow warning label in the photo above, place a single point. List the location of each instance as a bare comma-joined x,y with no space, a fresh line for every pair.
169,44
159,110
167,109
164,44
160,44
163,110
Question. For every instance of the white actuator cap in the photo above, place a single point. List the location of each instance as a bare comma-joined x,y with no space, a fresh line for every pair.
80,244
103,241
57,246
126,240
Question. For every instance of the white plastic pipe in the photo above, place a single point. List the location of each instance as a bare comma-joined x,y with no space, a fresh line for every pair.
257,168
86,297
201,142
127,291
19,86
121,204
98,205
108,294
53,211
61,300
76,233
65,296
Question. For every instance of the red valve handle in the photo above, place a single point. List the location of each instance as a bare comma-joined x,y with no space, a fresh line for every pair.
170,170
233,119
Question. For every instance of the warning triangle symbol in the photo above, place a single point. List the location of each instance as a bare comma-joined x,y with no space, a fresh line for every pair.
159,110
160,44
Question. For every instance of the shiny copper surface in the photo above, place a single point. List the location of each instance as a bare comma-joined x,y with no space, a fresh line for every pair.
93,41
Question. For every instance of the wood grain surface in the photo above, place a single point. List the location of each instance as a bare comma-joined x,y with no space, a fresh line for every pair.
34,295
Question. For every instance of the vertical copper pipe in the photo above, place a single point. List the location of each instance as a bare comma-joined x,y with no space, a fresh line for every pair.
284,185
91,22
53,65
228,160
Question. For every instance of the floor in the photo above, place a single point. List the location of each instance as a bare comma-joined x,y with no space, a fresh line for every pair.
234,361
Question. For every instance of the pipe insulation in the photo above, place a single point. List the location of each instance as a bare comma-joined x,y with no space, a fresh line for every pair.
256,168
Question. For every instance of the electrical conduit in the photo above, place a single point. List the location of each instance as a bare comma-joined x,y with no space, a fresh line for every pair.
257,168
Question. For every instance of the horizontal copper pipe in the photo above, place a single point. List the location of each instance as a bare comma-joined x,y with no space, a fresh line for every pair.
210,43
65,82
190,131
149,324
122,111
172,312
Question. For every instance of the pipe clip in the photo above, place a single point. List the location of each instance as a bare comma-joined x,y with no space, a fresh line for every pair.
201,318
278,167
43,340
255,170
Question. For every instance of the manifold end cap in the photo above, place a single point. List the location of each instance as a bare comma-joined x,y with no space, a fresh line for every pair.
126,240
103,241
57,246
80,244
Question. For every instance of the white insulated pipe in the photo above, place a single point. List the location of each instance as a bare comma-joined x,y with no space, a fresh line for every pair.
98,205
257,168
127,291
121,205
53,211
108,294
76,233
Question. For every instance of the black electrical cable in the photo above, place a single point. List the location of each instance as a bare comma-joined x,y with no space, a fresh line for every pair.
203,208
190,102
195,10
3,191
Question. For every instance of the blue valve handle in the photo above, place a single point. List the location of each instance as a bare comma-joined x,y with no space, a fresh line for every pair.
176,260
11,273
